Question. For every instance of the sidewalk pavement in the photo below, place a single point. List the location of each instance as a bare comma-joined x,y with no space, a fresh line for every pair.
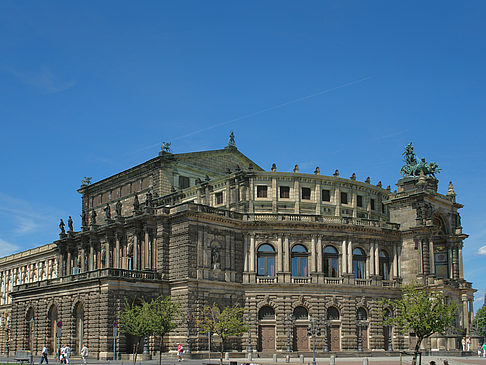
439,360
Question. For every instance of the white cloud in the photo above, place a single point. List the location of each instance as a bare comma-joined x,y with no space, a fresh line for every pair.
7,248
44,80
482,250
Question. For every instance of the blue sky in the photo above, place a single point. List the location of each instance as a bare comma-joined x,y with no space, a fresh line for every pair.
93,88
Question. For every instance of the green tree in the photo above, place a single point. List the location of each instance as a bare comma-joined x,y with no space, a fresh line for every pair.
225,323
164,314
136,320
480,320
421,311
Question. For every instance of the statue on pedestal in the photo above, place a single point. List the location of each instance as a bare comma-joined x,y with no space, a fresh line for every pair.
61,226
136,204
70,224
118,208
107,210
93,217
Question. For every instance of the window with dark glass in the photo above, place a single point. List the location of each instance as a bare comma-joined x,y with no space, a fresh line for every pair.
384,265
372,204
300,313
183,182
261,191
331,262
266,313
359,263
441,262
332,314
285,192
306,193
383,208
218,198
361,314
344,198
359,201
266,260
326,195
299,261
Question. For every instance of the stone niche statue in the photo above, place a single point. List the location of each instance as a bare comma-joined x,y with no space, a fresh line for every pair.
215,258
148,199
107,210
93,217
118,208
84,219
136,204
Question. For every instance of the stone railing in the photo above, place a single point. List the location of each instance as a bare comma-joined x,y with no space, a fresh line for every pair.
101,273
266,280
333,281
301,280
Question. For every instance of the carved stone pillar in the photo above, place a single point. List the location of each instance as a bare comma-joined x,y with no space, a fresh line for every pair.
228,194
286,254
146,253
394,263
465,312
350,257
107,253
313,254
68,262
372,259
344,260
319,254
135,252
252,253
116,254
455,263
425,256
245,253
279,254
461,270
432,258
377,258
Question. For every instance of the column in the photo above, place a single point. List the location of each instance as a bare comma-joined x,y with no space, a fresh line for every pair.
337,201
297,196
319,253
455,263
461,270
91,257
377,259
350,257
313,254
450,269
83,259
68,262
251,193
394,269
228,194
465,312
107,253
355,204
146,249
245,253
135,252
425,256
431,255
279,254
274,195
372,258
286,257
318,198
116,254
252,253
344,258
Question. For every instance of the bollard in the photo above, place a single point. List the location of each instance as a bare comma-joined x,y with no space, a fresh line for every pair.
226,355
333,360
365,361
274,357
301,358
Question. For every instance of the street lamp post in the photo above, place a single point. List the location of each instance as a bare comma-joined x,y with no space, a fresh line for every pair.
326,335
249,347
32,340
313,330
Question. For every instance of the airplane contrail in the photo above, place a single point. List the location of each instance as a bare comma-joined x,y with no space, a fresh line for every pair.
274,107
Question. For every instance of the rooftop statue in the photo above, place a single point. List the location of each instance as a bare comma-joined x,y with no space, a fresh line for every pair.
166,147
231,140
413,168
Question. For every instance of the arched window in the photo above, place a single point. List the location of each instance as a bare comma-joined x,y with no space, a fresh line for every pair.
266,260
359,263
266,313
384,265
299,261
361,314
300,313
330,262
332,314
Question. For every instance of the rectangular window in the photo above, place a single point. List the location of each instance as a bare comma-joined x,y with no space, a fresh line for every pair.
285,192
183,182
372,204
219,198
326,195
306,193
383,208
261,191
344,198
359,201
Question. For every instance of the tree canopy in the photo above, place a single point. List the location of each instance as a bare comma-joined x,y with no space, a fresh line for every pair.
420,311
480,320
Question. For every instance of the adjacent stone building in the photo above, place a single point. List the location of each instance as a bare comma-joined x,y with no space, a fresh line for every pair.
213,226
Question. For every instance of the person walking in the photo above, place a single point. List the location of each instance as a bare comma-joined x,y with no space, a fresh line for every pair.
62,357
44,355
463,344
479,350
84,353
484,349
468,343
180,350
68,354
